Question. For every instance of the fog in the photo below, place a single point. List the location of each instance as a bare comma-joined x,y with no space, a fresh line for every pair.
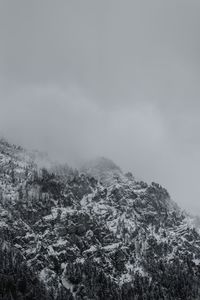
120,79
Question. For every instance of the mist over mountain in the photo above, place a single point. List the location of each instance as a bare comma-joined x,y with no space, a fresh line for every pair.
99,167
106,78
93,233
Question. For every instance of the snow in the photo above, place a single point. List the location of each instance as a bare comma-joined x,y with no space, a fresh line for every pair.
29,235
80,260
63,266
5,245
62,211
122,219
46,275
3,224
17,246
125,278
60,242
196,261
68,285
50,250
91,249
141,271
112,246
43,274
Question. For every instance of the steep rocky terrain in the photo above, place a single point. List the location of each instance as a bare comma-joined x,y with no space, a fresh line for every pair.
91,234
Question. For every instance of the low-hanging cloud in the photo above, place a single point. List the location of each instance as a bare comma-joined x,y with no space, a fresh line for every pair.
68,123
73,128
116,78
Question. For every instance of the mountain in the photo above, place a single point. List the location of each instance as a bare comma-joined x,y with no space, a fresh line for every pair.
103,169
93,234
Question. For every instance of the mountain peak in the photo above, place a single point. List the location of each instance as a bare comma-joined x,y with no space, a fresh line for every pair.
102,169
116,238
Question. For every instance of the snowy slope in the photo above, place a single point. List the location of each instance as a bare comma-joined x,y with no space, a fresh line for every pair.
97,234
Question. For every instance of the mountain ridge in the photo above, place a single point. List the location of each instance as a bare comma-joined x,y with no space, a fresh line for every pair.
83,236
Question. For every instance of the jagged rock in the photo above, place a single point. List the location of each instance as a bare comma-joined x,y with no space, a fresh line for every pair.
97,235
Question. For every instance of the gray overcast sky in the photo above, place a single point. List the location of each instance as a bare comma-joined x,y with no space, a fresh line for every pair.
111,77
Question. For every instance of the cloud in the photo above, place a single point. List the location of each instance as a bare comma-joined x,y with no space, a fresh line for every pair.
49,117
113,78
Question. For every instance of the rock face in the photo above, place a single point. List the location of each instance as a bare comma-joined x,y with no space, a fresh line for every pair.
95,234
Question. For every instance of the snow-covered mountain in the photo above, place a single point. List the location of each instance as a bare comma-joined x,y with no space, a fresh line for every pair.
91,234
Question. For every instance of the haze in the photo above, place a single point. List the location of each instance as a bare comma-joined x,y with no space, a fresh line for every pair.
113,78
